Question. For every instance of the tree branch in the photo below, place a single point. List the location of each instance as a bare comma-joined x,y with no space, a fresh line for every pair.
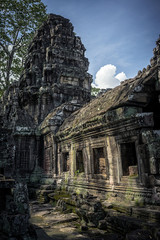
5,49
15,39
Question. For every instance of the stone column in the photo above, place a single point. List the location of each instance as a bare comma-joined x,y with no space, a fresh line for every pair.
72,156
88,163
112,159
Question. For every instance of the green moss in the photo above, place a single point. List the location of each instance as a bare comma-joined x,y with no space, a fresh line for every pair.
65,196
139,202
71,208
66,177
53,203
78,225
61,195
133,176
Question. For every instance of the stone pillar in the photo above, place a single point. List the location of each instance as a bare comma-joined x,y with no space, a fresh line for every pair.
112,160
59,159
72,156
88,163
55,156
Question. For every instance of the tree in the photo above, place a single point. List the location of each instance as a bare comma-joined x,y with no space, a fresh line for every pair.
18,21
95,91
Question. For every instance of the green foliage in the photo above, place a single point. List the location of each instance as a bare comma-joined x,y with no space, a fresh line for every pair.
94,91
18,21
76,173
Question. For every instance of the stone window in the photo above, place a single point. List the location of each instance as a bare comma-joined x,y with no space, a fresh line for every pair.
79,161
23,153
99,161
65,161
22,159
128,157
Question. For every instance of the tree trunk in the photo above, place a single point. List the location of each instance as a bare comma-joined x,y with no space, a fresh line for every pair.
10,59
9,65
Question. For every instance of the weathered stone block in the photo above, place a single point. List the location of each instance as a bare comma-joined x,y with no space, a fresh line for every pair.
133,170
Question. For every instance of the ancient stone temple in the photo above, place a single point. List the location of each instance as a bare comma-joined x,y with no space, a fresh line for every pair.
55,82
50,130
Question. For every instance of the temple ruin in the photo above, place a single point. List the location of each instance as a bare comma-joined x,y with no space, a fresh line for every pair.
52,132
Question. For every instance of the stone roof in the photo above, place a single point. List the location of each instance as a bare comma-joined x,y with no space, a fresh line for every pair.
137,92
56,117
131,92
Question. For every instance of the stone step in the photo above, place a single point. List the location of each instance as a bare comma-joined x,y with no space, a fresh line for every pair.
42,195
132,188
47,187
147,213
132,181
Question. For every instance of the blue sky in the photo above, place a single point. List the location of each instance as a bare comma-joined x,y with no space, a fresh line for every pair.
117,32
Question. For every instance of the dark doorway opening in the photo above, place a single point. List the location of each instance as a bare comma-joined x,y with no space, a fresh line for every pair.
128,157
79,161
2,171
99,161
154,106
3,193
65,161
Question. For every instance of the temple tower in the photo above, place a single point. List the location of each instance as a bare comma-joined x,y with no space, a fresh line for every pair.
55,69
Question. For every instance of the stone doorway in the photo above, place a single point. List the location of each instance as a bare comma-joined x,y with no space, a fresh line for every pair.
128,157
65,157
79,161
3,193
2,171
99,161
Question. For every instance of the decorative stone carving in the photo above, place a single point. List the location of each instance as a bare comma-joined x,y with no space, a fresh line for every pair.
14,210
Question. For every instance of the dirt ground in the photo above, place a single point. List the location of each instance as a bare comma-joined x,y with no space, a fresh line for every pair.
53,225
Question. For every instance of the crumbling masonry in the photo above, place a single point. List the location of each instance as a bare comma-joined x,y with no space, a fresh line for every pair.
51,130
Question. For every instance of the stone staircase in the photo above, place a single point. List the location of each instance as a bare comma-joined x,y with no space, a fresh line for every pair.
40,191
130,181
44,191
130,190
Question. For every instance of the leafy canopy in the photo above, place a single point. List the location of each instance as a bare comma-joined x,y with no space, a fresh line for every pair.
95,91
18,21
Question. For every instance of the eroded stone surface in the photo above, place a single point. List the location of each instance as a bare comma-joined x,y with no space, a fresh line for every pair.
56,225
53,224
14,211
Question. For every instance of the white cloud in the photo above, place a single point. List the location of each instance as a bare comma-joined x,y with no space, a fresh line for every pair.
121,76
94,85
106,77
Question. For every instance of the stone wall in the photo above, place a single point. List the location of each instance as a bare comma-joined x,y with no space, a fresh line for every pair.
14,210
